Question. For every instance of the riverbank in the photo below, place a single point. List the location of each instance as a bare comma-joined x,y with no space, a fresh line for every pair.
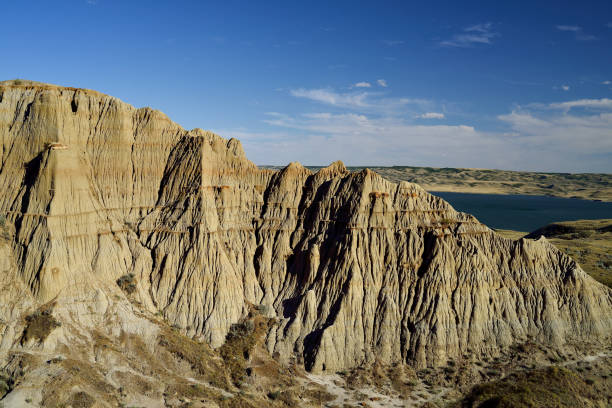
588,186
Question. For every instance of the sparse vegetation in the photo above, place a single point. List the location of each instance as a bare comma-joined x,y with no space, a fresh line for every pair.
240,341
81,400
263,309
6,384
550,387
447,221
198,355
39,325
397,378
64,390
127,283
273,395
4,229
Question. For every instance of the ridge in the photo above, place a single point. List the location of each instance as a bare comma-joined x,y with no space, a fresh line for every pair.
351,268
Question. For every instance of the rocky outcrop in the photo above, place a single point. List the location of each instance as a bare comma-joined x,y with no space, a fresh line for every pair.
355,268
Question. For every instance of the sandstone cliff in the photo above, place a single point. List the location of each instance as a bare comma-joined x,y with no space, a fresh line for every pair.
354,268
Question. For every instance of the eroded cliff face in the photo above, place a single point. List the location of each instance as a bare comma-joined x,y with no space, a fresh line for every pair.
355,268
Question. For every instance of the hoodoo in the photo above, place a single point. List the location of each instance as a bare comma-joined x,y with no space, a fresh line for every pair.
351,267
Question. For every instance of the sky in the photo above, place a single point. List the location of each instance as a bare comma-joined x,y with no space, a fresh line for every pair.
521,85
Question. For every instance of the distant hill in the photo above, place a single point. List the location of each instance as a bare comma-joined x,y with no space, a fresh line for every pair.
589,186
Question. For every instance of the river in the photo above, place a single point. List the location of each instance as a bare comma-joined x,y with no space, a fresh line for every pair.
523,212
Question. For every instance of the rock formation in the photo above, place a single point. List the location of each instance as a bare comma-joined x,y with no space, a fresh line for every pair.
354,268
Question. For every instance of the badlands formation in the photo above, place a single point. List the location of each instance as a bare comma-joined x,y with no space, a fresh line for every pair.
116,221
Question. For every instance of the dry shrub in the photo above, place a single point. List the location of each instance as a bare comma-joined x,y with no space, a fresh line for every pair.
240,342
549,387
127,283
81,400
200,356
39,325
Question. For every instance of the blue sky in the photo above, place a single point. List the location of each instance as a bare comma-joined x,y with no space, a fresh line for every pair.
524,85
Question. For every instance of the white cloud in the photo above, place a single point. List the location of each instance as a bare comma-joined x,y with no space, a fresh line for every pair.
363,140
364,101
569,28
391,43
536,142
382,83
480,28
539,140
564,134
578,32
362,85
330,97
569,136
565,87
606,82
603,103
472,35
431,115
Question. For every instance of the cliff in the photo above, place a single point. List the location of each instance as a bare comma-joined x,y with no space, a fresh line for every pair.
354,268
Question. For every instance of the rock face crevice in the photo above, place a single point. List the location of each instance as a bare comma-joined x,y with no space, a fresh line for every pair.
355,268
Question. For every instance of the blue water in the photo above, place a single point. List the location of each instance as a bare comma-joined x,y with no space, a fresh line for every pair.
523,212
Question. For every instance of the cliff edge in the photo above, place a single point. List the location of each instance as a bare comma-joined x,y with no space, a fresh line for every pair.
352,267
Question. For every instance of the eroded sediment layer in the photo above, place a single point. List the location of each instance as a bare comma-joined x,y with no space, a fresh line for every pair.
354,267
